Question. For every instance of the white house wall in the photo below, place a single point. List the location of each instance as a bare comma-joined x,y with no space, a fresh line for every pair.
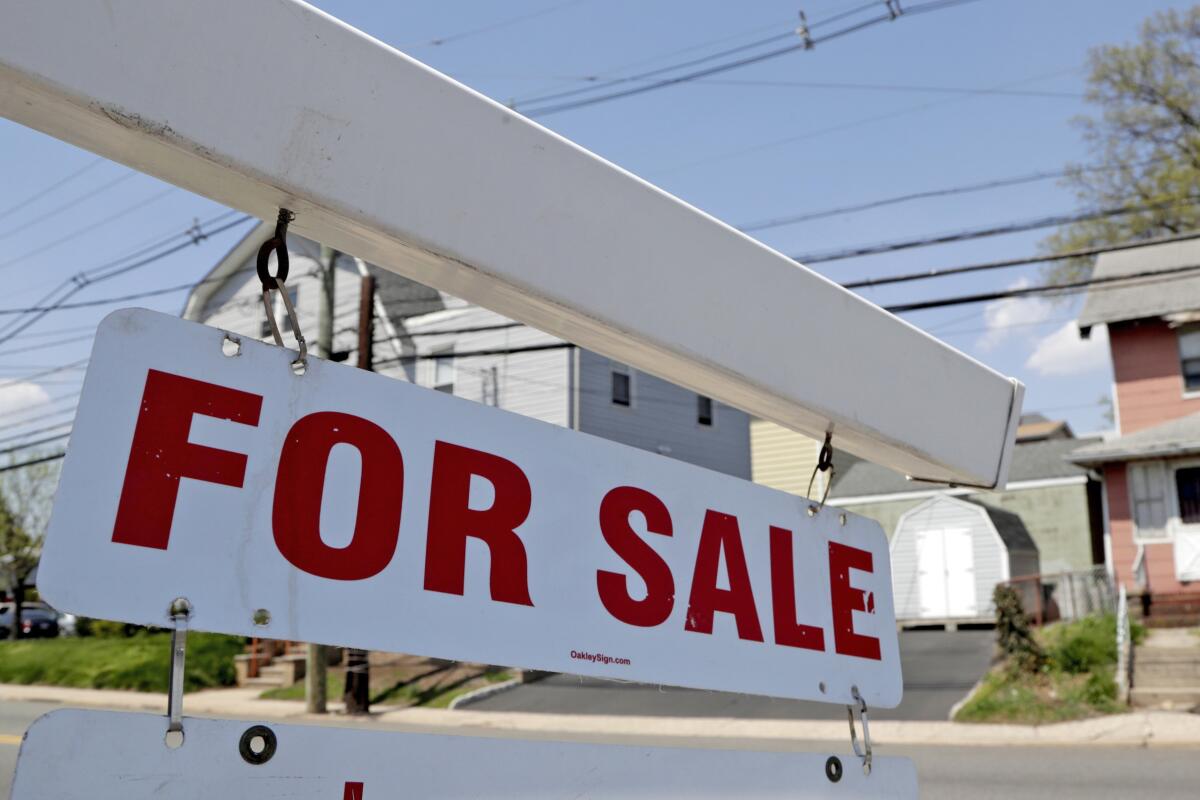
662,418
535,384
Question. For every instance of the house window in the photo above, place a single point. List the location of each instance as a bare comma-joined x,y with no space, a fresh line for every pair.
622,388
443,371
1189,357
704,410
1148,496
1187,490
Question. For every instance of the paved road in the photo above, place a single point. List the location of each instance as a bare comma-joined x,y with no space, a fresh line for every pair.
940,667
946,773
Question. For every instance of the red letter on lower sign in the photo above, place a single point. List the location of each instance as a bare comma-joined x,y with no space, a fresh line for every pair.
161,453
300,488
783,596
846,599
613,587
452,520
720,533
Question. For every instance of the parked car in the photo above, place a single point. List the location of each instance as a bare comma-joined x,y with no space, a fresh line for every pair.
37,621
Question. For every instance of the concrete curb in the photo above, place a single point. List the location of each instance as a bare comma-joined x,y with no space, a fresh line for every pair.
1137,729
483,693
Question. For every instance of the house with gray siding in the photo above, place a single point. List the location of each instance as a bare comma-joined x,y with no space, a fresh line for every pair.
436,340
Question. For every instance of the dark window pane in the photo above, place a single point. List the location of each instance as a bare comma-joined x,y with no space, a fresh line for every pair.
704,410
1191,373
620,388
1187,484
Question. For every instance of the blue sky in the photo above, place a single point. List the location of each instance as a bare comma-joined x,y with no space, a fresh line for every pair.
795,134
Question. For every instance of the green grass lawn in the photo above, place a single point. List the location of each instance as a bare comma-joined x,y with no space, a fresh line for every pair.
141,662
1076,681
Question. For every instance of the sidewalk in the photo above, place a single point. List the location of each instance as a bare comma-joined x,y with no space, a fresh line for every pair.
1136,729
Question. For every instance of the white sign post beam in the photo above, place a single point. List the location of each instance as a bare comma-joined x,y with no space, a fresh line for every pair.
275,104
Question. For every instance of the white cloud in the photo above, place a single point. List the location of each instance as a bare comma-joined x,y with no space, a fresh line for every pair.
1064,352
1012,315
21,396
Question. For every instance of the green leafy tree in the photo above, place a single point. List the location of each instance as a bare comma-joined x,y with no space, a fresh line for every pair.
1144,140
25,499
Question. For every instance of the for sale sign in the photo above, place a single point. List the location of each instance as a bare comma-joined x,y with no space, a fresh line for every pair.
75,754
343,507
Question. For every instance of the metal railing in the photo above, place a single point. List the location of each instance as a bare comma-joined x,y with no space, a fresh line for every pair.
1066,595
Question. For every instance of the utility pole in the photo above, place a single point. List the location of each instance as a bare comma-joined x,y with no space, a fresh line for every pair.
315,662
357,696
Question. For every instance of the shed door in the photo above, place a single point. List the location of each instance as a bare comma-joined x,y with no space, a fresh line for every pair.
946,572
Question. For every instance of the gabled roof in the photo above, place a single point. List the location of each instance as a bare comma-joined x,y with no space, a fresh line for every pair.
1179,437
400,296
1145,297
1031,461
1010,526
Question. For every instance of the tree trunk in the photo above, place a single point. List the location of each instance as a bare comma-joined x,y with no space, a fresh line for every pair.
18,602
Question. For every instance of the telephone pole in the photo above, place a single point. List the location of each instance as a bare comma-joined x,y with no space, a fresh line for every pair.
315,663
357,695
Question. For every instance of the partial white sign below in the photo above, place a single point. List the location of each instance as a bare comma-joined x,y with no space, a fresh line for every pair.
347,508
77,754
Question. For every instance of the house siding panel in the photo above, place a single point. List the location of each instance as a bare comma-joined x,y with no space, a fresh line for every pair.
1160,556
662,418
782,458
1149,382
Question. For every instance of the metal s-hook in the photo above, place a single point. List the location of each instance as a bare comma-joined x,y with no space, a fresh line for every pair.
278,244
865,753
824,464
179,612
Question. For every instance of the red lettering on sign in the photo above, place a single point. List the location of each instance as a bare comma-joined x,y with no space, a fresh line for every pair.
161,454
847,599
451,521
300,488
788,631
613,587
720,534
353,791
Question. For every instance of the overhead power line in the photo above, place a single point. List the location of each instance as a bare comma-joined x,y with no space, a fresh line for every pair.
986,231
38,195
1110,282
1015,262
494,26
96,275
31,462
968,188
806,43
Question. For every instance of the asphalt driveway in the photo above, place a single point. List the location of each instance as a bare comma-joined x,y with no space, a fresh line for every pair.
940,667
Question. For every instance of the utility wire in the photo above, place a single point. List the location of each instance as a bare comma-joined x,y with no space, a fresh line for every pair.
1015,262
39,312
805,44
32,462
52,187
996,183
494,26
54,212
986,231
1151,276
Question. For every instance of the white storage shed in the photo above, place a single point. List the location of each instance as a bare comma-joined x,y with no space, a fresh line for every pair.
949,553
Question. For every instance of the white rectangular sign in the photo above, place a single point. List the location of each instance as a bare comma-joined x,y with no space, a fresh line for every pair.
343,507
75,754
384,157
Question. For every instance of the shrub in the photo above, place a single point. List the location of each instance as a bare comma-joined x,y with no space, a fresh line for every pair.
1084,645
1013,633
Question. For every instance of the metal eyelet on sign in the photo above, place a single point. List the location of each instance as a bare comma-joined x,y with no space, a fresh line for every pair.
833,769
260,754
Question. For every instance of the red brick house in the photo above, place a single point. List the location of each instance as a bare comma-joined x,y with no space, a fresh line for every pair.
1151,468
